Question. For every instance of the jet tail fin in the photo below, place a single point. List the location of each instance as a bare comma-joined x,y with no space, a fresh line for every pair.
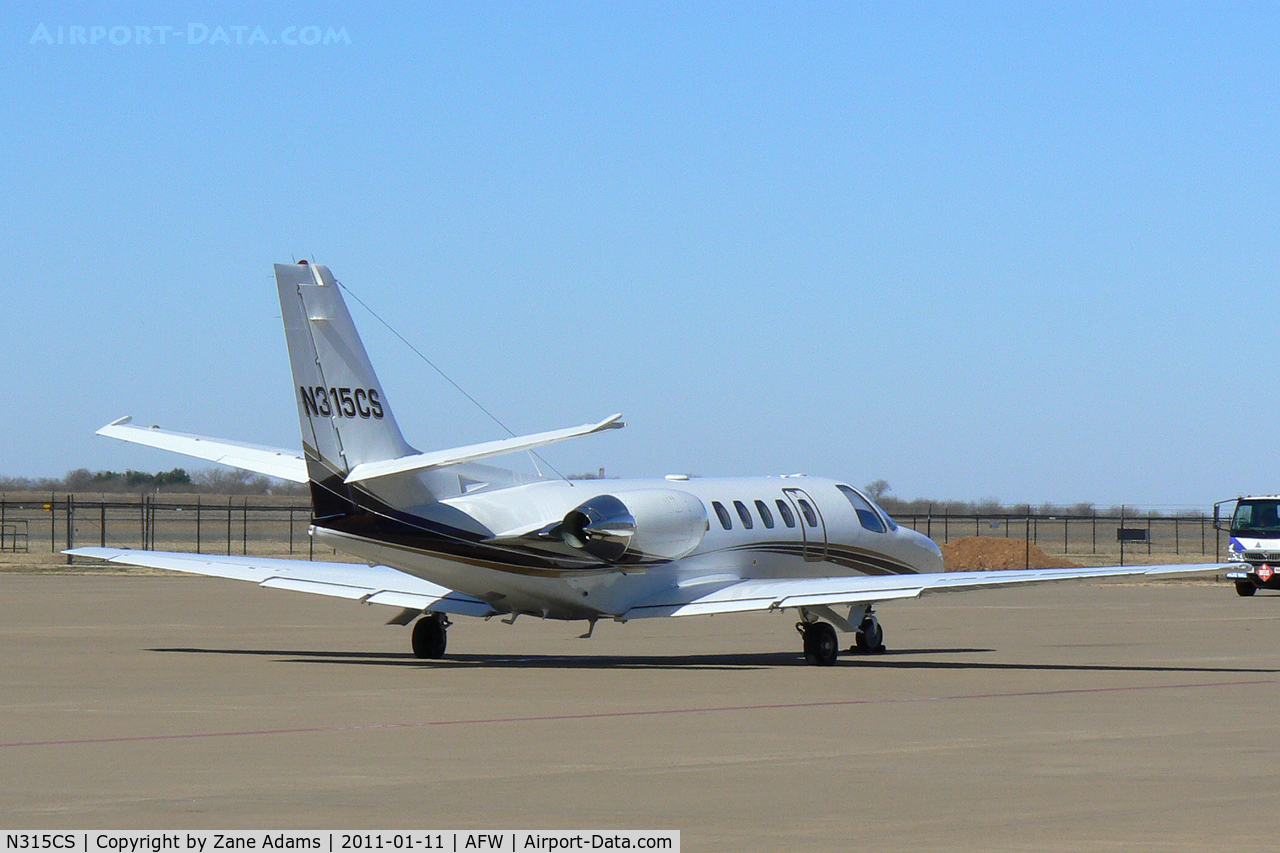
345,415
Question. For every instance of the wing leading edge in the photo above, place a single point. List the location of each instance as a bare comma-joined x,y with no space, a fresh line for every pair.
747,595
272,461
370,584
476,452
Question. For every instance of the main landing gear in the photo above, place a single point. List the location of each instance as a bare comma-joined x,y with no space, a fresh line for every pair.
821,646
430,634
820,643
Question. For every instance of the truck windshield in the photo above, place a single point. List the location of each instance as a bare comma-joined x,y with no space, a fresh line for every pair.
1256,518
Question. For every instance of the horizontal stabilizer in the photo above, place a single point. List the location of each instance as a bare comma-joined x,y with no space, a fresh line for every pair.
473,452
272,461
355,581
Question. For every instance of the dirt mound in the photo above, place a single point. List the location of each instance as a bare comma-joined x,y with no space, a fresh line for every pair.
974,553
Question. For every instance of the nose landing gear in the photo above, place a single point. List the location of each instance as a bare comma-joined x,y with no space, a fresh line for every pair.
870,636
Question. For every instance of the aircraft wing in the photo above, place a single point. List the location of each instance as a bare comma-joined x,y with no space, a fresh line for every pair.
359,582
274,462
744,595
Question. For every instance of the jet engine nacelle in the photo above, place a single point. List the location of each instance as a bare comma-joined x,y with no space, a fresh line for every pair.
637,525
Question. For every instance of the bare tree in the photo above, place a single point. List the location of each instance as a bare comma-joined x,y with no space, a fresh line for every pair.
877,489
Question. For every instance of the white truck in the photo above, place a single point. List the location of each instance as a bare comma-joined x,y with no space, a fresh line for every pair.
1254,529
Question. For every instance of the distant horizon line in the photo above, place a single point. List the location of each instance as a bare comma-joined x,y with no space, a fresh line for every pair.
229,482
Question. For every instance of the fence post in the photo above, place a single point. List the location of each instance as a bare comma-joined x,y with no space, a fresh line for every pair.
244,527
1149,532
1028,542
71,526
197,524
53,523
1066,523
102,523
291,528
929,522
1095,530
1177,542
229,508
946,525
1122,538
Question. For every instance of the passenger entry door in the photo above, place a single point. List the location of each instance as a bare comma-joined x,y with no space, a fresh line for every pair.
813,527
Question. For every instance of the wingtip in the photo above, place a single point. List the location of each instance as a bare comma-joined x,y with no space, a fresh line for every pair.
117,422
96,553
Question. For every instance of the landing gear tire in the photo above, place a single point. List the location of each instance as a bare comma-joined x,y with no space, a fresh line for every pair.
820,644
870,637
1244,589
430,634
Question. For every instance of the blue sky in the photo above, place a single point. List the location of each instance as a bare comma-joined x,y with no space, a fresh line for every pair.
975,250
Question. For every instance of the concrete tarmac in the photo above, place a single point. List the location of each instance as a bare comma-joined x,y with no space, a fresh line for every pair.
1079,716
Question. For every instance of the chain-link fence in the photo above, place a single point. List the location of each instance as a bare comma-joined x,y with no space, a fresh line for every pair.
1086,536
259,525
277,526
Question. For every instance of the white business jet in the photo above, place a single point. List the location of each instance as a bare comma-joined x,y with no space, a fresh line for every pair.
445,535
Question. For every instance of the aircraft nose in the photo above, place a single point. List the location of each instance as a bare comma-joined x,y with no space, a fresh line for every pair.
930,553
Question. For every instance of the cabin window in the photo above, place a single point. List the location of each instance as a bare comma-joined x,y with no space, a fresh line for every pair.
810,518
787,518
868,516
765,515
725,521
744,514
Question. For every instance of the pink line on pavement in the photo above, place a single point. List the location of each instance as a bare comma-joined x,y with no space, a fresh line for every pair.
604,715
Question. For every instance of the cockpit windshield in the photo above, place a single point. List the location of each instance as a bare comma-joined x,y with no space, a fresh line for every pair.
1258,518
869,517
